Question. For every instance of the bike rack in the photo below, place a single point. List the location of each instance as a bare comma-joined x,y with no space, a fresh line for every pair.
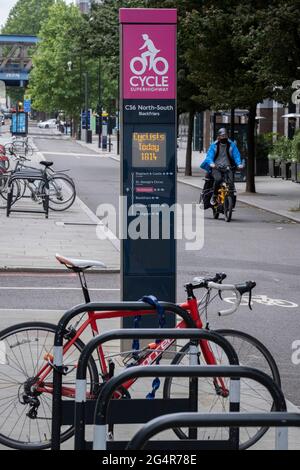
58,346
141,410
28,175
233,372
157,425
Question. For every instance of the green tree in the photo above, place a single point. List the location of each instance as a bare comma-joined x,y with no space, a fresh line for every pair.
27,16
56,79
230,60
103,40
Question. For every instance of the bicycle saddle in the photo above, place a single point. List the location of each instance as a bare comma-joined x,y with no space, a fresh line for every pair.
78,264
46,164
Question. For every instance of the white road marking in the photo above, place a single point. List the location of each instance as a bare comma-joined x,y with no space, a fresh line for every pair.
109,234
263,300
73,154
55,288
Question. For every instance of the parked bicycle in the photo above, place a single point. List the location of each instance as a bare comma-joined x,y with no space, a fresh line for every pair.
62,192
26,373
19,146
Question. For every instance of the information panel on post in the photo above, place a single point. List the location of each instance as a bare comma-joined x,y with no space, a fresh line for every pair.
148,155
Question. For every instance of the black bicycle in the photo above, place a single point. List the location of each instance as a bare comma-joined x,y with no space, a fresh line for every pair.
226,197
62,192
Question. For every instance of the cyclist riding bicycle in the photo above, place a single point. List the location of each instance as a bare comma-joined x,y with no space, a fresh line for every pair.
222,154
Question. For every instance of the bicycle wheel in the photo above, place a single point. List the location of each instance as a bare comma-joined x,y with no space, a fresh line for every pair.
254,398
216,213
4,191
26,411
21,147
62,192
228,207
4,163
8,148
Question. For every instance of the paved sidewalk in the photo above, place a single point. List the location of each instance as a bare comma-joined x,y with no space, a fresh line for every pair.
273,194
30,241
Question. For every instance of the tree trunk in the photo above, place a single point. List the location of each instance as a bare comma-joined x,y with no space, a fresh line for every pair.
232,124
74,127
188,157
250,186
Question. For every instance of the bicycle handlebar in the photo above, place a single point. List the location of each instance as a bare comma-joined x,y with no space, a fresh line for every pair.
200,282
238,289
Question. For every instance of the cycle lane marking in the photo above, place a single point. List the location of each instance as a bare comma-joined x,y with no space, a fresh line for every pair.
263,300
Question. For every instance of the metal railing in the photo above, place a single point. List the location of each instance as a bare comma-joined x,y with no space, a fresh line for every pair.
275,419
29,175
195,335
59,338
232,372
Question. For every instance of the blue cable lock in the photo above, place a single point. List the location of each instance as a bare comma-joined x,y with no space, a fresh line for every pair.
152,300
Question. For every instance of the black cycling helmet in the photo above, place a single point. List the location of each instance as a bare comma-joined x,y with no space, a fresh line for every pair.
222,132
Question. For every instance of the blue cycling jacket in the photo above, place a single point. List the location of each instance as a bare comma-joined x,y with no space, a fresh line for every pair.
212,151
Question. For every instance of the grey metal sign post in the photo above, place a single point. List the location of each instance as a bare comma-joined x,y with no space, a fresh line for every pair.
148,154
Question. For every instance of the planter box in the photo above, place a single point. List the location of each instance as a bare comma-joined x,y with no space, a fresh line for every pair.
285,170
295,172
274,168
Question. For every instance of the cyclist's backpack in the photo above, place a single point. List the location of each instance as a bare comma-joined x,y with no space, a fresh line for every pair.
207,192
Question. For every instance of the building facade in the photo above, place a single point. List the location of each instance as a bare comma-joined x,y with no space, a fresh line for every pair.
84,5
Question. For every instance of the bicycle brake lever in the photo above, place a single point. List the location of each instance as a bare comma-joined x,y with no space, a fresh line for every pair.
220,292
250,298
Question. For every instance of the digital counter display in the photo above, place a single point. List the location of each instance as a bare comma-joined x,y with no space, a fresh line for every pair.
148,149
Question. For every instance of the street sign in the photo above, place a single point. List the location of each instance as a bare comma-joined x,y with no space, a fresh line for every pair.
19,123
27,106
104,130
148,159
83,119
2,95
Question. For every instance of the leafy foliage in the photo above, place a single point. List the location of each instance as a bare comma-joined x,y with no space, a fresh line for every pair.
282,149
296,147
52,86
27,17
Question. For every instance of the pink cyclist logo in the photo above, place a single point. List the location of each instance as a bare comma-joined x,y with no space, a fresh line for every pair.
148,59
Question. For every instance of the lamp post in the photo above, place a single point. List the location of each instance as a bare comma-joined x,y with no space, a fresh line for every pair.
86,105
85,74
99,104
292,120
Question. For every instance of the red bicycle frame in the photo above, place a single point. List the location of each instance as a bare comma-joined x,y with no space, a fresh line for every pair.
191,306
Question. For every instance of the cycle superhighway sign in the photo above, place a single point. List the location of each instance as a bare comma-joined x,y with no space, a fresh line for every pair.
148,154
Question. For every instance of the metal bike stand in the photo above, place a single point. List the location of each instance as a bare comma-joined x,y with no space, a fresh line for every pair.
276,419
141,410
58,346
28,175
237,372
